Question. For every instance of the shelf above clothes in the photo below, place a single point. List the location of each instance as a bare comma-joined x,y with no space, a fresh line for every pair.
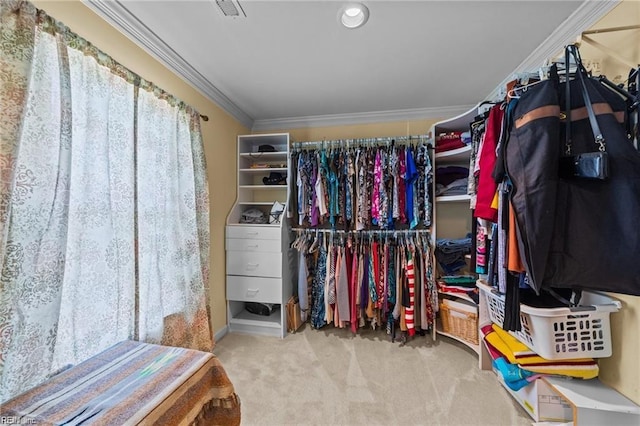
453,198
454,156
262,187
263,169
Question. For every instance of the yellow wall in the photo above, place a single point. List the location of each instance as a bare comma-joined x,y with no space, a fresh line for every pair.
622,369
620,49
219,132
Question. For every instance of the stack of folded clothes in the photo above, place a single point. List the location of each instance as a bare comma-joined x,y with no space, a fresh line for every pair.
451,180
518,365
453,140
459,284
450,253
449,141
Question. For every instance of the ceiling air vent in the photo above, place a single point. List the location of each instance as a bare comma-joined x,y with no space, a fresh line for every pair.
231,8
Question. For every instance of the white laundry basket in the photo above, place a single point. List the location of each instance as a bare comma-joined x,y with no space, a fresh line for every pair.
560,333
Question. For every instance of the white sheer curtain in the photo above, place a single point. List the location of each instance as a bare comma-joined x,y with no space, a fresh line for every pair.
98,302
70,226
171,274
104,226
35,225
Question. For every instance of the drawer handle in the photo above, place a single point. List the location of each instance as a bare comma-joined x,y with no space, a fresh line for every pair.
252,266
252,292
252,233
254,246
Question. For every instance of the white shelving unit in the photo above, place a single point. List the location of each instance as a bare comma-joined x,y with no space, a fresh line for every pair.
580,402
452,216
256,254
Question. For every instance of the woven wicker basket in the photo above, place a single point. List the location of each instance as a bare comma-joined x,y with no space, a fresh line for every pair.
459,323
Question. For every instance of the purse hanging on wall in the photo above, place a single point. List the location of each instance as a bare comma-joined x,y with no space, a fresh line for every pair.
590,164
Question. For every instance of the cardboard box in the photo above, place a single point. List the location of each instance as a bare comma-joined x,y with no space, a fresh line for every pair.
541,401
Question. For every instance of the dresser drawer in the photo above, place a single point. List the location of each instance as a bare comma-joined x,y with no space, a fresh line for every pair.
244,244
254,289
254,232
254,264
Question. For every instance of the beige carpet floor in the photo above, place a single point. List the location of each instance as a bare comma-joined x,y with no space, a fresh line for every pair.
331,377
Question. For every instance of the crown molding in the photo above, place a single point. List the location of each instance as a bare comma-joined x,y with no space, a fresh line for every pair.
587,14
359,118
115,13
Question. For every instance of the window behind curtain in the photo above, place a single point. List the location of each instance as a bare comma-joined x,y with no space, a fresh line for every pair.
105,216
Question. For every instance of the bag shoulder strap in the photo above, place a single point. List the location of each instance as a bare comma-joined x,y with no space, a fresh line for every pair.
580,70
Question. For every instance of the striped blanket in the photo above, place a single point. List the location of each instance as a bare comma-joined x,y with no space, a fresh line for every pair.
132,383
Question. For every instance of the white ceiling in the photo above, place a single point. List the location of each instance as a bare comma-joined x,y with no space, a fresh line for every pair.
292,62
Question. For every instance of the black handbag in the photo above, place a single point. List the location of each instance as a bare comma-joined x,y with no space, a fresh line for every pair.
576,214
589,165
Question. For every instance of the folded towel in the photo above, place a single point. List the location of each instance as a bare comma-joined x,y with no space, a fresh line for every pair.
518,353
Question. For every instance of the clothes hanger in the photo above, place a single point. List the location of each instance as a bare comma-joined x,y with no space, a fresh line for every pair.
314,244
619,90
513,93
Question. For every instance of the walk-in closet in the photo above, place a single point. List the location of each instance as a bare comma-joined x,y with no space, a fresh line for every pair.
319,212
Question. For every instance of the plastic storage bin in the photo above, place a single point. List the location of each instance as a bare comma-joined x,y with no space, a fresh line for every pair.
560,333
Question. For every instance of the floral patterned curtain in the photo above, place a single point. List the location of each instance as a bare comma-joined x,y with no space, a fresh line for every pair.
104,227
173,224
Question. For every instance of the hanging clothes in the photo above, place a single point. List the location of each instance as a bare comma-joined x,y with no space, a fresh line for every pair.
410,181
342,287
366,280
363,188
302,286
317,295
486,188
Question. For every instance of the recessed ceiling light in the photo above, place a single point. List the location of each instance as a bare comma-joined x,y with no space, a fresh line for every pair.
353,15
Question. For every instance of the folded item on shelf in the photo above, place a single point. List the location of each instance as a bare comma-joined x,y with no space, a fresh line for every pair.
450,253
465,137
518,353
253,215
468,280
452,245
457,187
275,178
448,137
453,289
453,266
450,145
445,175
514,377
266,148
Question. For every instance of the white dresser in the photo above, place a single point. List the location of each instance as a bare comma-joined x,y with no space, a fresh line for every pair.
257,262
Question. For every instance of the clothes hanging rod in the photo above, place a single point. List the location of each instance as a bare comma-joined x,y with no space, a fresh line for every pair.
611,29
398,139
366,231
